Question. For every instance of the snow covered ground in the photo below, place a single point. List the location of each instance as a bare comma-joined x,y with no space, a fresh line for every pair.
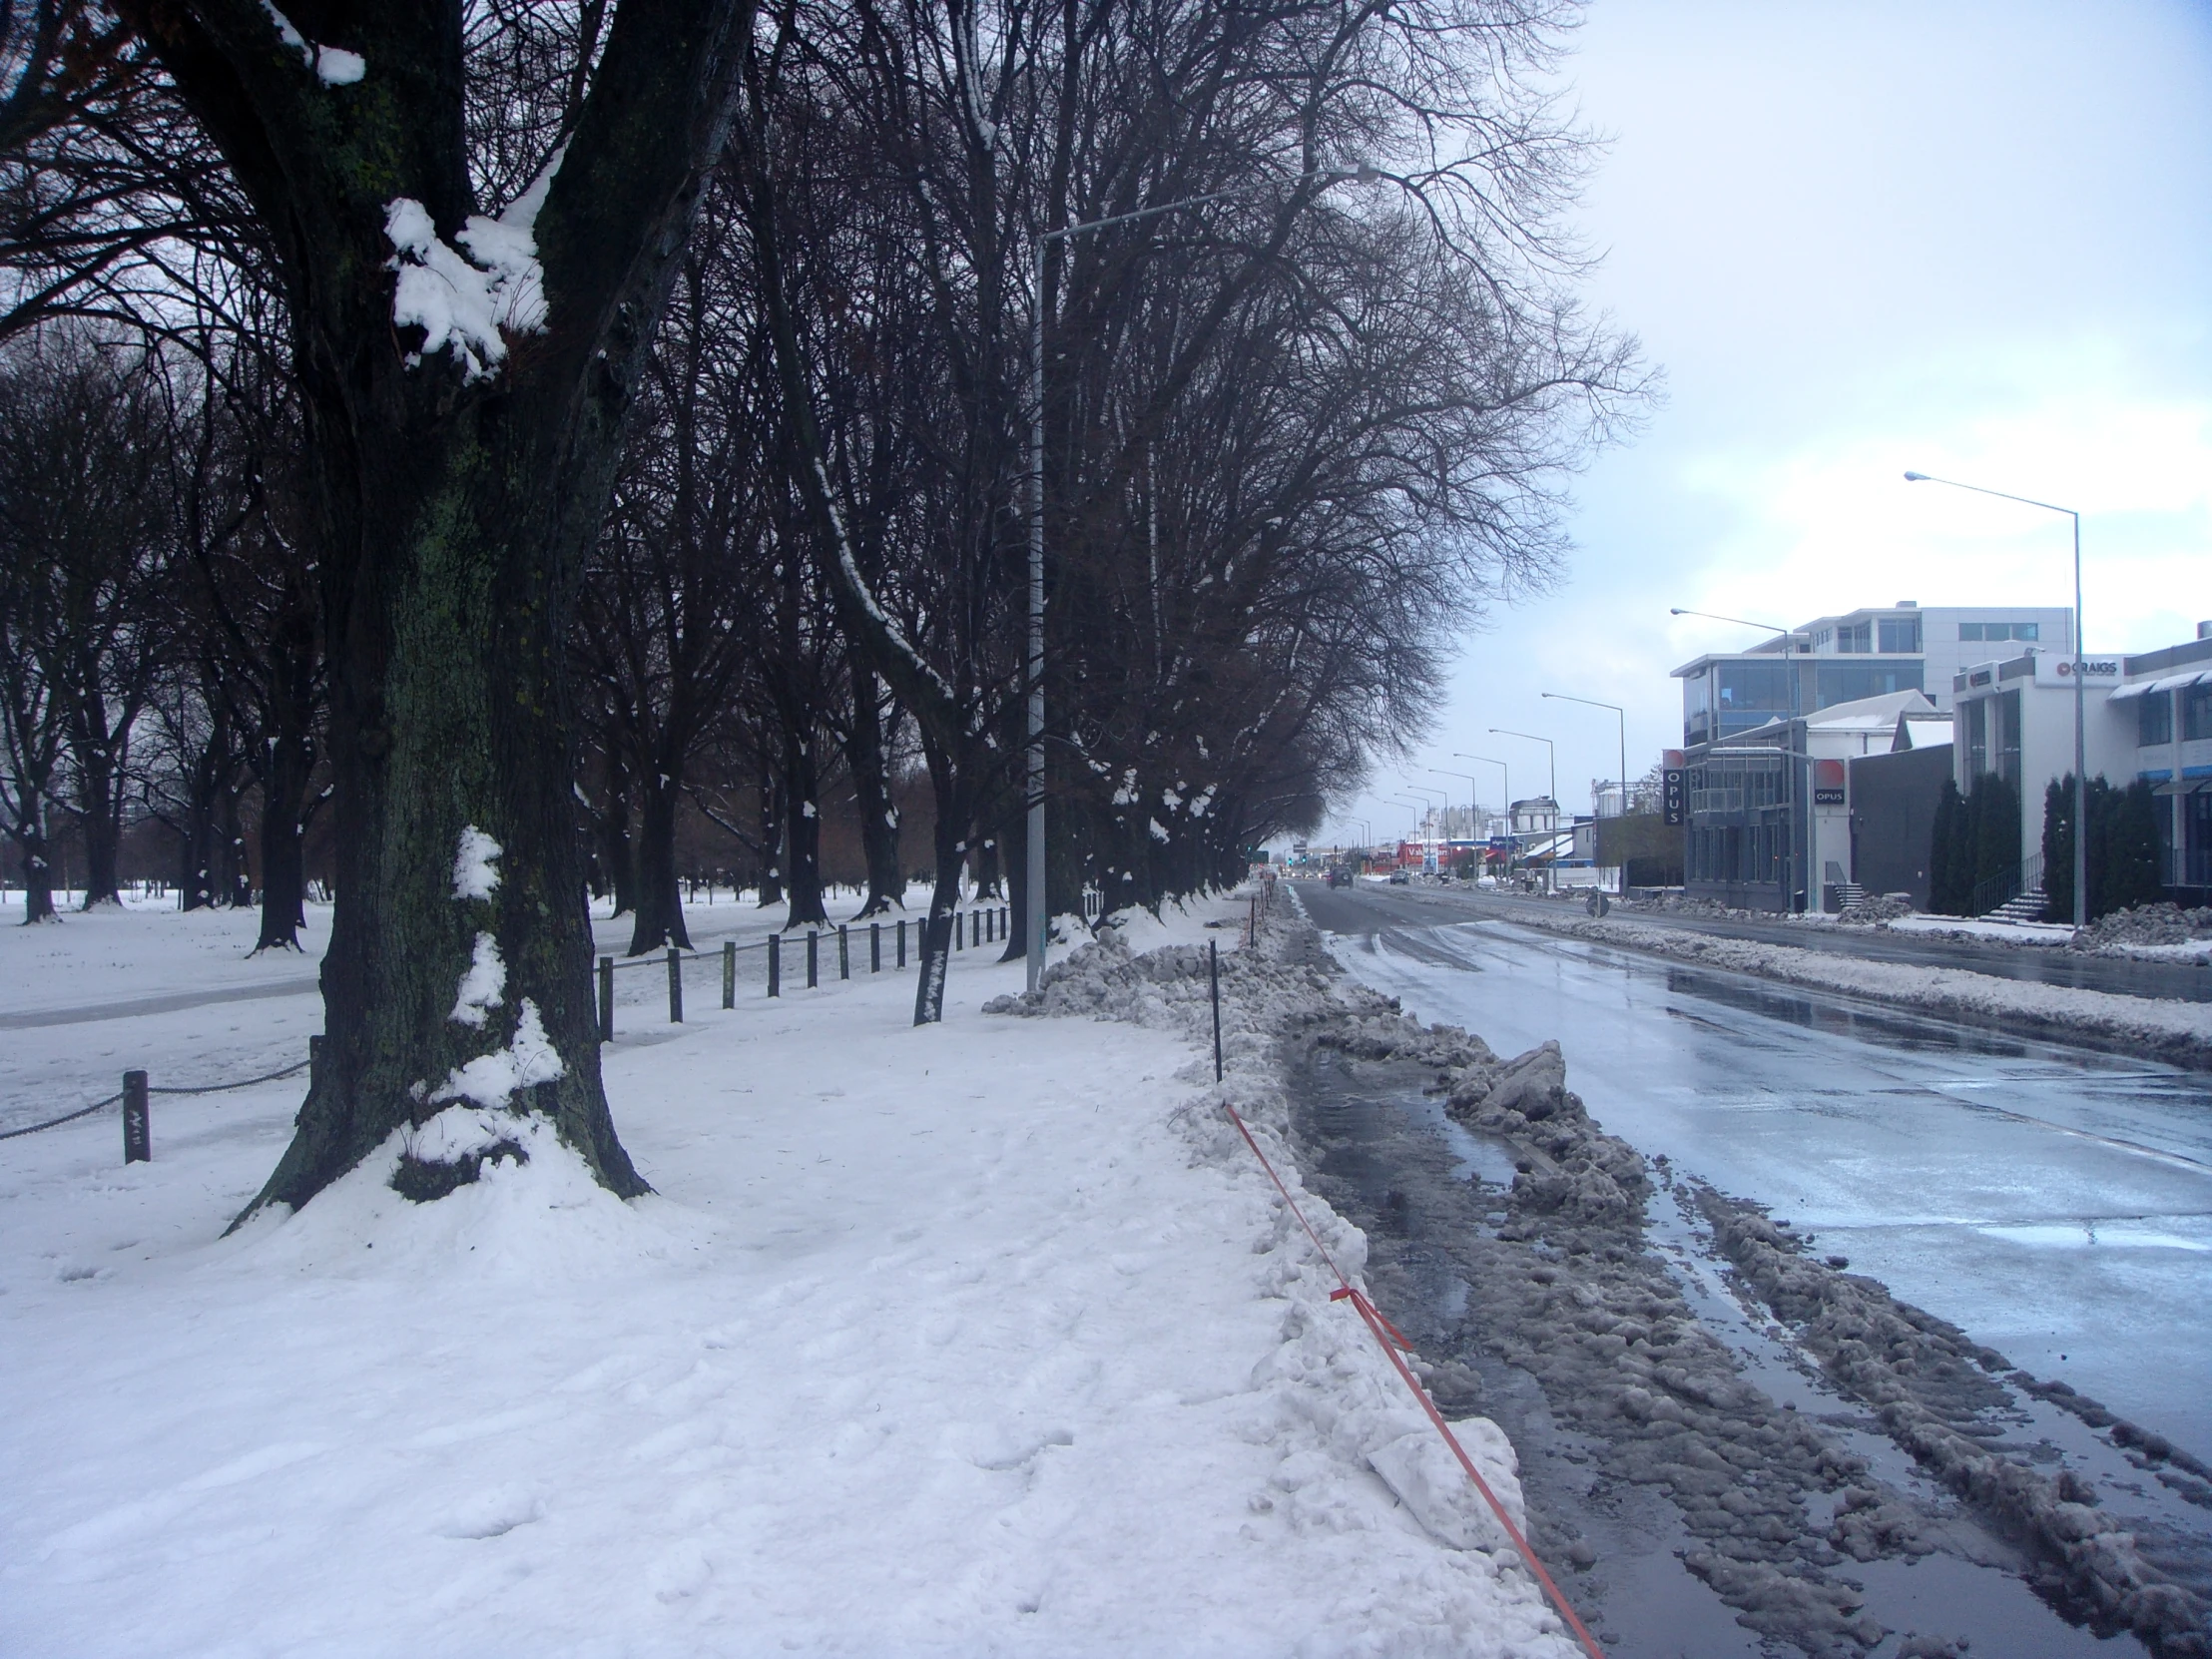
1975,927
989,1338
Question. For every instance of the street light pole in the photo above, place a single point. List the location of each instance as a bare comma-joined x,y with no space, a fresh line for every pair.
2080,689
1550,747
1507,779
1592,702
1037,924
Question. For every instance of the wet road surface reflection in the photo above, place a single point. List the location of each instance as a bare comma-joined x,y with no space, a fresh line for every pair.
2053,1202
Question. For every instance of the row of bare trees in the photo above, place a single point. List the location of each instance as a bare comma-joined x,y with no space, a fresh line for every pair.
633,406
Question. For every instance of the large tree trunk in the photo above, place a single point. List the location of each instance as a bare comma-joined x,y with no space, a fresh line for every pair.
200,855
772,836
1013,835
801,829
284,870
659,919
955,810
97,824
617,848
29,836
234,883
865,754
454,485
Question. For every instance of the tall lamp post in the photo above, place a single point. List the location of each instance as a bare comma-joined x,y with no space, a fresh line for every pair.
1473,805
1037,924
1505,775
1562,697
1549,749
2081,759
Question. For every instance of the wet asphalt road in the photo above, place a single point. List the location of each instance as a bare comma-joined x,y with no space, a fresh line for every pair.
2053,1202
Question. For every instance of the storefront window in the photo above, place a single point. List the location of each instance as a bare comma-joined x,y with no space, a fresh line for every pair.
2196,713
2155,719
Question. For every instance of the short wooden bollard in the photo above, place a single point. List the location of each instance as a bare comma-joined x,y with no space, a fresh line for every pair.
975,927
1213,986
844,954
959,933
813,958
902,941
728,973
1005,922
876,948
675,986
775,964
138,1133
606,1000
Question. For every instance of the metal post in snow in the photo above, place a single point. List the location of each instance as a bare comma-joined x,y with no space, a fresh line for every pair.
675,986
902,941
606,1000
138,1134
728,971
844,954
813,958
1213,986
775,964
876,948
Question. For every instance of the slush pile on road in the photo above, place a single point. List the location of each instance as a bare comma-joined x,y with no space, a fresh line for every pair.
1775,1507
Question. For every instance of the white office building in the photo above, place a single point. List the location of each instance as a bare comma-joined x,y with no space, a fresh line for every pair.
2163,708
1875,652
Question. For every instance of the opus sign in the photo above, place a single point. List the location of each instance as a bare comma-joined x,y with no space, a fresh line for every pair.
2060,671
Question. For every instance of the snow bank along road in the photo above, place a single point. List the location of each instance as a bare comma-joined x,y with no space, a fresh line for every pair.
2003,953
2175,1029
2057,1204
987,1338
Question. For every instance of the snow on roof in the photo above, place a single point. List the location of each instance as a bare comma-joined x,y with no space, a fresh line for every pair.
1873,711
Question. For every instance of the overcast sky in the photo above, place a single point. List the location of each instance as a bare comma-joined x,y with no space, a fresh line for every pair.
1973,240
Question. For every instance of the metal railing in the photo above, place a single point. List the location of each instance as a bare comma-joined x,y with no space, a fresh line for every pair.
971,929
1995,891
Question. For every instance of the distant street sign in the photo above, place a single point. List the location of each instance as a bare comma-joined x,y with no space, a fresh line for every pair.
1674,793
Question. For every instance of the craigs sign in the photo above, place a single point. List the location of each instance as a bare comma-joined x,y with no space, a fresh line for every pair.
2060,671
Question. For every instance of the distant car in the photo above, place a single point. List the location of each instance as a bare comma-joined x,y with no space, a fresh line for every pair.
1399,878
1340,877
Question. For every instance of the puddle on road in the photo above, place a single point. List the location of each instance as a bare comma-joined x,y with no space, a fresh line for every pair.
1396,1164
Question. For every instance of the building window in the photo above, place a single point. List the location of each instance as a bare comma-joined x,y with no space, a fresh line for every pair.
1901,634
2196,713
2155,719
1751,694
2000,631
2006,739
1835,682
1857,636
1977,738
2196,840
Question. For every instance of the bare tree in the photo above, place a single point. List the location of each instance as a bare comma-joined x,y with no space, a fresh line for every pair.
471,287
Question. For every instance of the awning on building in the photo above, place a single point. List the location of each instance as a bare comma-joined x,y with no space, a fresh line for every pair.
2165,683
2183,786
